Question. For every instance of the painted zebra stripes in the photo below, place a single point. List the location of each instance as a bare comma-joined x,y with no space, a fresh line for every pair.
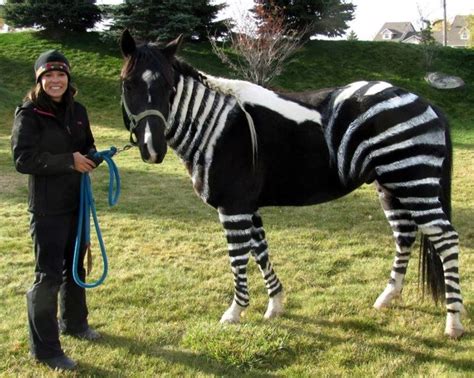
245,234
197,119
357,139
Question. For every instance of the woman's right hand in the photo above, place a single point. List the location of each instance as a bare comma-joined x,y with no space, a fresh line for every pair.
82,164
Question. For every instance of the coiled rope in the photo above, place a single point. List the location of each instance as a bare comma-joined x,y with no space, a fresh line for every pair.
86,207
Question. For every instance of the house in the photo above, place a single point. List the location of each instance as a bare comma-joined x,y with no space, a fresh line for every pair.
395,32
458,34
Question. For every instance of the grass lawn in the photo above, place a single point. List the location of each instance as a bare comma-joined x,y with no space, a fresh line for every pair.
169,278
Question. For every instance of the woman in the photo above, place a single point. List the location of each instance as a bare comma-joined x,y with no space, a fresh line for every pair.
52,142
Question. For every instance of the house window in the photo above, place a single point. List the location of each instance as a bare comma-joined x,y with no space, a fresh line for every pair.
387,35
465,35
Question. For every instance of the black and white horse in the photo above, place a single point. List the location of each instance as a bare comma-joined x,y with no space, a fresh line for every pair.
246,147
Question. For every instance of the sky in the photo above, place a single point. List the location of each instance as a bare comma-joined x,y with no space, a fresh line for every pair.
370,15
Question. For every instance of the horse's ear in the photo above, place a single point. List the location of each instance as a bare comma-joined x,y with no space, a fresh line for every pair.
173,46
127,43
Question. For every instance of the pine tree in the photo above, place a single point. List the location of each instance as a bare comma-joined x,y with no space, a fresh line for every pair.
53,15
165,19
325,17
352,36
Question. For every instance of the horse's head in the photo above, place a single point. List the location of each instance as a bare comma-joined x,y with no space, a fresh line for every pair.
147,88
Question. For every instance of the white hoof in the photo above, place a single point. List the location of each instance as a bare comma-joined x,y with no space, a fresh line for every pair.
454,328
232,314
388,295
275,306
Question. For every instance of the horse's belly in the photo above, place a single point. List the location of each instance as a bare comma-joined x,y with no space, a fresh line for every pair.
301,183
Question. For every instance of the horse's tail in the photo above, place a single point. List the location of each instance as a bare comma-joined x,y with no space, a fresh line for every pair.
430,266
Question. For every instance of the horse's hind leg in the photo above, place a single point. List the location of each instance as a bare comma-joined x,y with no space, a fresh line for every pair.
423,203
445,242
272,283
238,231
404,232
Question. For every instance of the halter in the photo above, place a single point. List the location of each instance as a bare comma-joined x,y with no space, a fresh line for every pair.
136,118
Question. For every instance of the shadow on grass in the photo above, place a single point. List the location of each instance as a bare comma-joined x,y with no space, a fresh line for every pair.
463,146
197,362
368,331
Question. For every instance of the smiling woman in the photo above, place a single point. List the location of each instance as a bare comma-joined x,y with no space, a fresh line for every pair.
51,142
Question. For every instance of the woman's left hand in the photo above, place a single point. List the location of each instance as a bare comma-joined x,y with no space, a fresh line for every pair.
82,163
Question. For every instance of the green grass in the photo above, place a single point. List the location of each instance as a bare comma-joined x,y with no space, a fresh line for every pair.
169,280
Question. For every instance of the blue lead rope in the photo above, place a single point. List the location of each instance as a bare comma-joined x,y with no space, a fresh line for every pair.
86,207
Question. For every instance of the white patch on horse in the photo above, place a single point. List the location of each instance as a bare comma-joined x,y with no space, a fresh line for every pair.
252,94
148,140
149,77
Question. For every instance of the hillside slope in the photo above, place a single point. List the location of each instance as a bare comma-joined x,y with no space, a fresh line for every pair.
96,68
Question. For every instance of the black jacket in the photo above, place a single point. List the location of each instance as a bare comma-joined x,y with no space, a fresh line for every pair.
42,146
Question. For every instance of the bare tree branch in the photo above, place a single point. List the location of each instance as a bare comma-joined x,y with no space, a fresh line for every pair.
260,49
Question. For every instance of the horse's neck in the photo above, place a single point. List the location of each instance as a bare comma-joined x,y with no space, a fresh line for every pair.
197,117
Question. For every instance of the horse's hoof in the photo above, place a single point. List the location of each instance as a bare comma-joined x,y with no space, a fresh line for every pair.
275,307
228,320
232,314
385,299
454,333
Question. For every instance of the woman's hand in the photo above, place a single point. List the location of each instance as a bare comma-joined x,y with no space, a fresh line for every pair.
82,164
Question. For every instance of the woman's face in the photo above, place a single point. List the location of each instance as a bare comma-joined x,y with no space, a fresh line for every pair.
54,83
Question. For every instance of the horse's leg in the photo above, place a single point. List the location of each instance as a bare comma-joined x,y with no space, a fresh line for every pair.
445,241
238,231
404,232
272,283
429,215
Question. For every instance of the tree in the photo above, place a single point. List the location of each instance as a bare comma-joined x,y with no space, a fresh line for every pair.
261,45
352,36
54,16
324,17
430,46
165,19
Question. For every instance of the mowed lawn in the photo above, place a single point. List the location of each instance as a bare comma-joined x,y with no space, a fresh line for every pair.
169,277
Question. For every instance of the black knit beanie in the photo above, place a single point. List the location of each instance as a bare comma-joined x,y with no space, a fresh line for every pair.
51,60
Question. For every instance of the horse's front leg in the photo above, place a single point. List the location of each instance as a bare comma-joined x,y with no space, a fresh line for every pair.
238,231
261,255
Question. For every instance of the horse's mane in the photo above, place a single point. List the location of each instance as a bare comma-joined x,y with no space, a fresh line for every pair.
151,52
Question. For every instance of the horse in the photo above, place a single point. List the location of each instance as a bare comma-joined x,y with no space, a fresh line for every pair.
246,147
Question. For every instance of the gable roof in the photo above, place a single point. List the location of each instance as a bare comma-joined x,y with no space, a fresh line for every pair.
399,31
455,30
405,32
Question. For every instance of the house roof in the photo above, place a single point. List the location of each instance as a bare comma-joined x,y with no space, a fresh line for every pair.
399,30
405,32
455,30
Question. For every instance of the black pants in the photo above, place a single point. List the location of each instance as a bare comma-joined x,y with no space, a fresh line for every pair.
54,239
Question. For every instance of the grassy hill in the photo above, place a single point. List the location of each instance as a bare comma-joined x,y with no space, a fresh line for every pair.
169,278
320,64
